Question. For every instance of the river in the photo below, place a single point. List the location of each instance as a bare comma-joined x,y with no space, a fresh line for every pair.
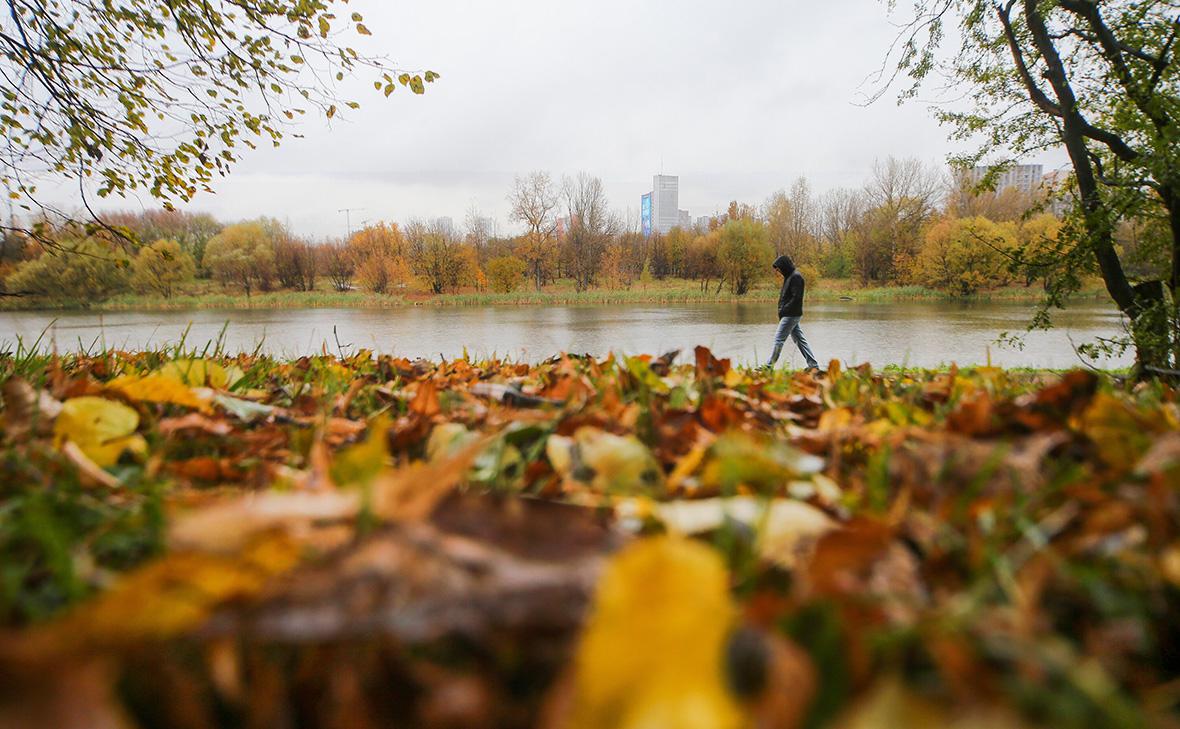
910,333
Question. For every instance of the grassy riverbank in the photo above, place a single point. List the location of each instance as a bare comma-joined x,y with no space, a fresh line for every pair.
206,295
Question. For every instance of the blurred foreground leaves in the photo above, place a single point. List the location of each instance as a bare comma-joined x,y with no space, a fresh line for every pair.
369,541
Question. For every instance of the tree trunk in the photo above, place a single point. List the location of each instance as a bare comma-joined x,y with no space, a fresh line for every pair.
1144,330
1172,203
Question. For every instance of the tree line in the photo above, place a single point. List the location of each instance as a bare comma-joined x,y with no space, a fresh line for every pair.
909,224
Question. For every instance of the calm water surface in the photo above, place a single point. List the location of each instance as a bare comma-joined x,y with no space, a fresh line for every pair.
920,334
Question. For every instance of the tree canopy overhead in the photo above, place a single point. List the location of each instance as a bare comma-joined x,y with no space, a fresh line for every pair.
159,96
1098,78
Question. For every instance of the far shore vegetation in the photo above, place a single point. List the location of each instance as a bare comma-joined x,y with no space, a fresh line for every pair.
910,233
560,293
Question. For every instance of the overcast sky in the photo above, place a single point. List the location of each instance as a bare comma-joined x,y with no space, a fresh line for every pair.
738,99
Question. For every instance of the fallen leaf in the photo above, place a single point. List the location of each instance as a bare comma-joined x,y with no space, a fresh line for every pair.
89,471
194,421
197,373
425,402
178,591
244,410
653,648
26,408
784,527
607,462
1121,437
159,389
102,428
228,525
762,464
359,464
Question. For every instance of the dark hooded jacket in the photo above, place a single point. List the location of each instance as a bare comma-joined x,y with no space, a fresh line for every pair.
790,299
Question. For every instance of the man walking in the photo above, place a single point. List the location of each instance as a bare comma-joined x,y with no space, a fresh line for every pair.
790,311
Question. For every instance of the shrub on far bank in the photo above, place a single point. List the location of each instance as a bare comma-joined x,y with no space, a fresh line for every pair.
160,267
505,273
85,270
242,255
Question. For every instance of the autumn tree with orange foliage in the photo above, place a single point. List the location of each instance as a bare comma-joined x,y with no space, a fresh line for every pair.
379,255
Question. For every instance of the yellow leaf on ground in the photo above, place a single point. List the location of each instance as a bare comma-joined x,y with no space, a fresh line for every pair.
196,373
176,592
102,428
107,454
89,472
653,649
608,462
160,389
733,378
358,464
686,466
559,450
835,419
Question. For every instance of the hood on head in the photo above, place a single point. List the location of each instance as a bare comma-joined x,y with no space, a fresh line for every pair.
785,264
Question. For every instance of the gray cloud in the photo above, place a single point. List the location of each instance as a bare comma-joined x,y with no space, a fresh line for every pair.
738,99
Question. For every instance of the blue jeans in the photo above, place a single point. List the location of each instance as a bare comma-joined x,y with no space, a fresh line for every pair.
788,326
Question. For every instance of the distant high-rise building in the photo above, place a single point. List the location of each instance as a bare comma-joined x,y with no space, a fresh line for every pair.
665,202
659,209
703,222
1026,178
